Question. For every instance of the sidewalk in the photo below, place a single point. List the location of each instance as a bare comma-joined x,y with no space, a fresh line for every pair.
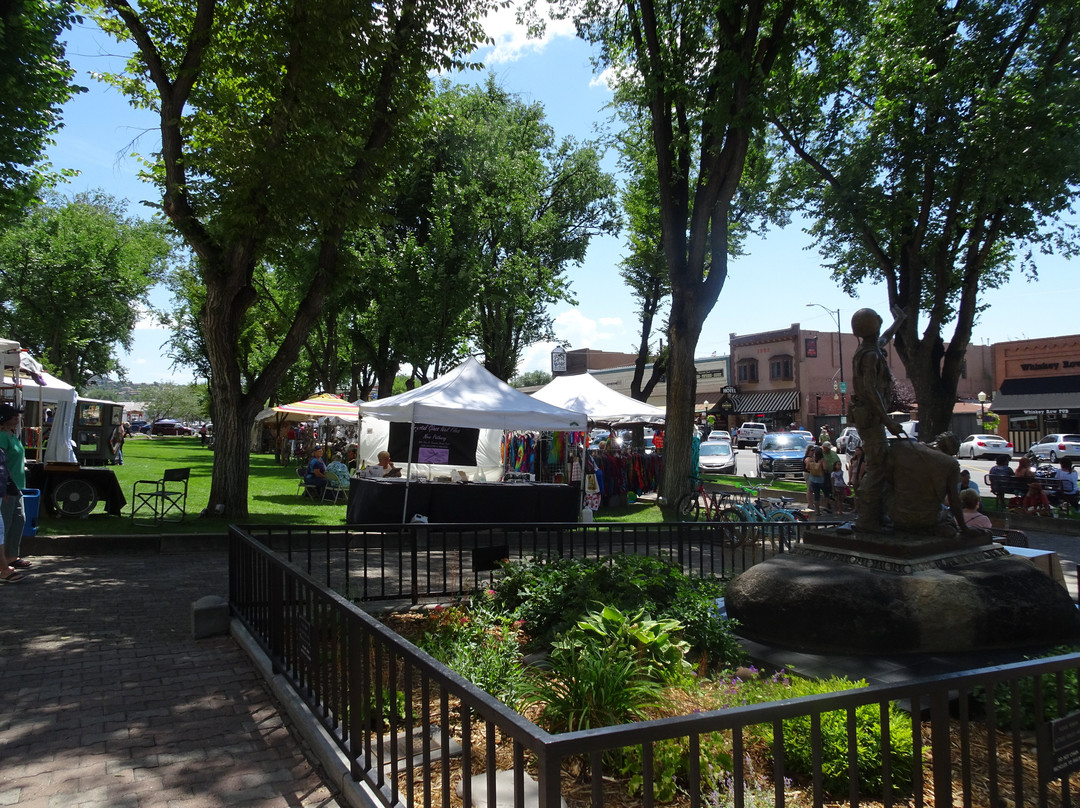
110,702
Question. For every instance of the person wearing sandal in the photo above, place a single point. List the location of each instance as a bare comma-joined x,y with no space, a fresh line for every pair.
12,507
9,574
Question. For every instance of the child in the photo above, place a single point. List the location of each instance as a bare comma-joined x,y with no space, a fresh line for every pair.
839,487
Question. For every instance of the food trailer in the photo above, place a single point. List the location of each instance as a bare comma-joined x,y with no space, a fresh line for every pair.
68,440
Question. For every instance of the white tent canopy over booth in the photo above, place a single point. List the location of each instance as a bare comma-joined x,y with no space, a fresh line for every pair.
469,396
585,393
40,386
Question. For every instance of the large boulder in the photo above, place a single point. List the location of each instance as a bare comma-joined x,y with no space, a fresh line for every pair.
836,599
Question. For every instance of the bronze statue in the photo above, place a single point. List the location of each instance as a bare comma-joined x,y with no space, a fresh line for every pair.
871,391
905,482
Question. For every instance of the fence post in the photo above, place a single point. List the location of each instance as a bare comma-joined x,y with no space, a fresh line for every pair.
940,742
275,579
414,553
549,775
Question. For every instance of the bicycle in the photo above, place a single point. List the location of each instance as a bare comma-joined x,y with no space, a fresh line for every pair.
691,505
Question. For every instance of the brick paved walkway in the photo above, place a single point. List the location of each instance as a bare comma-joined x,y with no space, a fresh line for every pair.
109,702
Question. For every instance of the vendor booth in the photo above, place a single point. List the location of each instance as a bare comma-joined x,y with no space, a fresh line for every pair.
616,472
438,428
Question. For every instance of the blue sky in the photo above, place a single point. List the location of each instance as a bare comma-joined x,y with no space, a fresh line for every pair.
767,289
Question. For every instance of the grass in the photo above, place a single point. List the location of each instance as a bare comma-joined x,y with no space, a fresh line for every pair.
272,497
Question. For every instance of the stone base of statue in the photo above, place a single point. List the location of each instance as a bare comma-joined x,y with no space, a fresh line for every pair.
857,593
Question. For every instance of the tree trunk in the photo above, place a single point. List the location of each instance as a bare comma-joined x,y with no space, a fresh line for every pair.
681,394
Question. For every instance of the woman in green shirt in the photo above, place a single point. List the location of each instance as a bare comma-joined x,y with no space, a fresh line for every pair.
12,508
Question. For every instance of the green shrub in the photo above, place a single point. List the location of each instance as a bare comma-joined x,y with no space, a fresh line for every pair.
834,741
1003,708
671,765
651,644
551,595
588,686
481,646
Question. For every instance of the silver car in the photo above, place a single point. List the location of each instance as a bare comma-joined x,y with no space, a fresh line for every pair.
1055,447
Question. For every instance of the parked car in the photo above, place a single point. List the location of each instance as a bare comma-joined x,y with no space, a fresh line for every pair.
782,454
719,434
1055,447
716,457
167,426
993,446
911,429
750,434
803,432
845,438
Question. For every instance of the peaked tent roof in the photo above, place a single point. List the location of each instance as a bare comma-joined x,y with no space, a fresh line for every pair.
322,406
585,393
470,396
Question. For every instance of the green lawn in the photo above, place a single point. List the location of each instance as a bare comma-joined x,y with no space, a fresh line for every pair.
272,497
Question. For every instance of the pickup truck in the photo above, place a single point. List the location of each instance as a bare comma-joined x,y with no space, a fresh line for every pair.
750,434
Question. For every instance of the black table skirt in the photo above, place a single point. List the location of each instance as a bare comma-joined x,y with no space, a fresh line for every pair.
375,501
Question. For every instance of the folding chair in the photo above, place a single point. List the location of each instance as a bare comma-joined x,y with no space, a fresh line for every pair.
164,499
303,487
337,481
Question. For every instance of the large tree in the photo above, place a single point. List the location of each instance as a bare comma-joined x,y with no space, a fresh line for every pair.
76,274
278,121
699,72
35,81
530,205
937,145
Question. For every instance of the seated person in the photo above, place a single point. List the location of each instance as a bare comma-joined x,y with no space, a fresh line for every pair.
1067,475
970,502
384,468
999,474
1035,500
316,471
1001,467
966,482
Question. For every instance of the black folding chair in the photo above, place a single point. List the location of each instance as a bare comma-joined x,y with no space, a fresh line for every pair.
158,501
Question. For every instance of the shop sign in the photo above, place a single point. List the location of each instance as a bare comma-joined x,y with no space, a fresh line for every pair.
727,407
729,390
1063,411
811,347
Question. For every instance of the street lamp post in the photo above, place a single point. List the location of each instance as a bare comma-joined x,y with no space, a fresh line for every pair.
982,410
840,350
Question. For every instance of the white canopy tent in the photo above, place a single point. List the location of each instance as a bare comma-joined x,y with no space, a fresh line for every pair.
469,396
585,393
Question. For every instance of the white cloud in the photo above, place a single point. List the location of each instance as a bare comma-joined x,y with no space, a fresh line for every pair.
579,331
512,39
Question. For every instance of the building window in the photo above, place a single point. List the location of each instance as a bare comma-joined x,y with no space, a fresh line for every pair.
747,371
780,369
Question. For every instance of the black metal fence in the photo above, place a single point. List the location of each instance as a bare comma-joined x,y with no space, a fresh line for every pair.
411,727
417,562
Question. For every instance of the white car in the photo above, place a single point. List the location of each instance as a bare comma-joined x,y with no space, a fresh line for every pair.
719,434
847,440
985,446
1055,447
716,457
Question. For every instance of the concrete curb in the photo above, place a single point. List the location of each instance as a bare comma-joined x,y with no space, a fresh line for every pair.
127,544
320,744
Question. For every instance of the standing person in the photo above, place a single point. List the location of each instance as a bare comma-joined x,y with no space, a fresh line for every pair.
839,487
829,458
823,435
12,508
8,574
815,478
869,409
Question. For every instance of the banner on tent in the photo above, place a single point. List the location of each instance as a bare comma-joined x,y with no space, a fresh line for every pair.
438,445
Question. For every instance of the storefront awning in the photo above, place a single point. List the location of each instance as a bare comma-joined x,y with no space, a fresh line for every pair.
766,403
1036,404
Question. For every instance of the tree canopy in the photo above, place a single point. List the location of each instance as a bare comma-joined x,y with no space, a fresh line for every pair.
35,81
76,275
279,121
936,146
